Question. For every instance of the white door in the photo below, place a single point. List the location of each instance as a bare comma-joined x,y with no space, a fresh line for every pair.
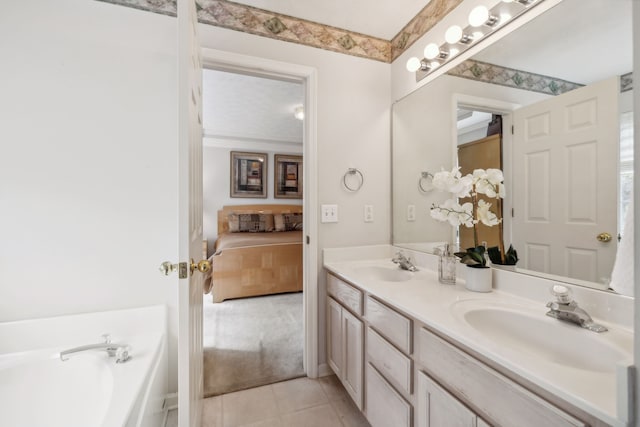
189,216
565,157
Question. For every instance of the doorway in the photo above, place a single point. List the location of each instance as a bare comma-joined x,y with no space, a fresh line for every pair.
305,77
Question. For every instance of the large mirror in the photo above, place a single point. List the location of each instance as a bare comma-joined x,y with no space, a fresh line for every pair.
572,182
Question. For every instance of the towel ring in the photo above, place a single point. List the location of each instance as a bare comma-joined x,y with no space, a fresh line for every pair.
352,187
425,182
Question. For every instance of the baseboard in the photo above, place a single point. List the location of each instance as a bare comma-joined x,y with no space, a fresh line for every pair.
324,370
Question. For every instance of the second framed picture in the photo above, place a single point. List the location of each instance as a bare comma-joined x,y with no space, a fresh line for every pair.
248,174
288,177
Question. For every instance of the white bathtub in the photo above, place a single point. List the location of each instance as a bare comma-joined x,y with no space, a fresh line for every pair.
89,389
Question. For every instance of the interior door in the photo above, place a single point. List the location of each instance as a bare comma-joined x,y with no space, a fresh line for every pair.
485,153
565,167
190,382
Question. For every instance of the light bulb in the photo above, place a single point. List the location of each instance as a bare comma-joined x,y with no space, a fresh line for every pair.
504,17
453,51
478,16
453,34
431,51
434,64
413,64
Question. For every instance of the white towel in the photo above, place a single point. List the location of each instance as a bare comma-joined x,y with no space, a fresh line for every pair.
622,274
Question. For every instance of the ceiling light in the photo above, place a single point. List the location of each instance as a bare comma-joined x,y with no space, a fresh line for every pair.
453,34
413,64
431,51
298,112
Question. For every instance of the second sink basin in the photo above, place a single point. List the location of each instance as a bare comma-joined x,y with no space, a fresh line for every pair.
532,333
385,274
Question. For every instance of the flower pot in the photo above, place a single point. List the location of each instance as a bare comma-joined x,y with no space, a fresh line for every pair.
478,279
504,267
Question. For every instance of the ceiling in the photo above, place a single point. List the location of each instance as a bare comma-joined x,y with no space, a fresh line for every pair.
249,108
379,18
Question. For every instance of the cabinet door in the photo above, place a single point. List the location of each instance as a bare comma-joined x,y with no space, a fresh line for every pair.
334,337
352,344
437,408
385,407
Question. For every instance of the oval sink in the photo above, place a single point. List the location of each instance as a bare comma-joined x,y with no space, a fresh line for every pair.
534,334
385,274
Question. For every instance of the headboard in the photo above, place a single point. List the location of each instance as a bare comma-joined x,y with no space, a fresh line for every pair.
223,214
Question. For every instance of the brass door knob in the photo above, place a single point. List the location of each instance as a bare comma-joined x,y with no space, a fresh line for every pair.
202,266
604,237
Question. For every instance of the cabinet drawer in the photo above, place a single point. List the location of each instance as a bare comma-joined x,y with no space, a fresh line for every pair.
393,325
385,407
346,294
501,400
390,362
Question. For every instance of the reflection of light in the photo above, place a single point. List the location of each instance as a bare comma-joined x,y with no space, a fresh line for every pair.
434,64
298,112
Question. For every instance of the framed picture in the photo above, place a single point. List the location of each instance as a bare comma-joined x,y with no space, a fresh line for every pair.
288,177
248,174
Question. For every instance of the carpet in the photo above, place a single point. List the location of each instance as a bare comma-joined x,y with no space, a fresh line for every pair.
249,342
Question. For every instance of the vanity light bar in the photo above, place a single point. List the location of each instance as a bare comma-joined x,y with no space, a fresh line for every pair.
482,23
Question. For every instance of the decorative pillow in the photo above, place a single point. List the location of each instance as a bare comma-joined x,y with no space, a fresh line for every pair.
253,223
288,221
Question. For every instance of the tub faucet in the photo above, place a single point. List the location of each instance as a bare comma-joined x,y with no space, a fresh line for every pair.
404,262
565,308
120,351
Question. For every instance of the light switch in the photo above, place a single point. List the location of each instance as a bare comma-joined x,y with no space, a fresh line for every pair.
411,213
368,213
329,213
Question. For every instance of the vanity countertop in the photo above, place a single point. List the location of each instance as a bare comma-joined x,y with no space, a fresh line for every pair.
591,384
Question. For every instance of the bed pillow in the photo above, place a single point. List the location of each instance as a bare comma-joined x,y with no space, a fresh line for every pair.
252,223
288,221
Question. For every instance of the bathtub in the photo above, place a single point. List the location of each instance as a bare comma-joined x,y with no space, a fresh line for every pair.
89,389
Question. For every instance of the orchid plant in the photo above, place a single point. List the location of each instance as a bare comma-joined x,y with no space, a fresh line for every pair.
489,182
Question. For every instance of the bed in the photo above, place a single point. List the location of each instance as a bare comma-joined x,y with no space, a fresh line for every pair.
265,260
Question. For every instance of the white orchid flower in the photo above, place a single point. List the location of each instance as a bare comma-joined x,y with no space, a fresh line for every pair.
450,211
485,215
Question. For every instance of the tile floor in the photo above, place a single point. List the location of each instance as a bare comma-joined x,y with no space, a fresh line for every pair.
302,402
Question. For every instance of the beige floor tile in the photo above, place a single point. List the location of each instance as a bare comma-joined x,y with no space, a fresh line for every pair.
272,422
333,387
349,413
298,394
248,406
212,412
318,416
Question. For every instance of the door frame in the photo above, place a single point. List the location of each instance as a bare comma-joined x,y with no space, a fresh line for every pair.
233,62
506,109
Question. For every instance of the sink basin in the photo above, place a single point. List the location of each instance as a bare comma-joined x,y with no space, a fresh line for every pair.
533,334
385,274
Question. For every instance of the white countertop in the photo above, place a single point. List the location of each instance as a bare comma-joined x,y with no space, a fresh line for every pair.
438,306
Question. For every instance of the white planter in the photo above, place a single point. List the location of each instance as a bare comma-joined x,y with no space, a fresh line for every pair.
478,279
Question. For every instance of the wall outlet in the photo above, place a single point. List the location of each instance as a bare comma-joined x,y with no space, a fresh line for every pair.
411,213
368,213
329,213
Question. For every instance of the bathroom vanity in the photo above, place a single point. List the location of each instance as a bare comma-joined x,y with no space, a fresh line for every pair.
413,352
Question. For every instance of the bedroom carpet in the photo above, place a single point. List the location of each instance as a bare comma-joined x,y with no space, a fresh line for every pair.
249,342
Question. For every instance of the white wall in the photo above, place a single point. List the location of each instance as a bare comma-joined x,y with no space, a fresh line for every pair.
88,189
216,186
353,117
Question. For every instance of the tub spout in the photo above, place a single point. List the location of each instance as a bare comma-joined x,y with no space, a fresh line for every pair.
121,352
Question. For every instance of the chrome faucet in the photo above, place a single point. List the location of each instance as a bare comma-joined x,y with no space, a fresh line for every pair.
404,262
565,308
121,352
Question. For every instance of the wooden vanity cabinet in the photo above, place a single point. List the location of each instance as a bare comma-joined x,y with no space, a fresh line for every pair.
402,374
345,339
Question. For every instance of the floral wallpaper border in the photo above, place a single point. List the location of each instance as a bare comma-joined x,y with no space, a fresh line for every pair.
496,74
248,19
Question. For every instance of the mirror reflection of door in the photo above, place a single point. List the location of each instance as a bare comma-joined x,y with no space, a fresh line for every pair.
565,168
485,153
